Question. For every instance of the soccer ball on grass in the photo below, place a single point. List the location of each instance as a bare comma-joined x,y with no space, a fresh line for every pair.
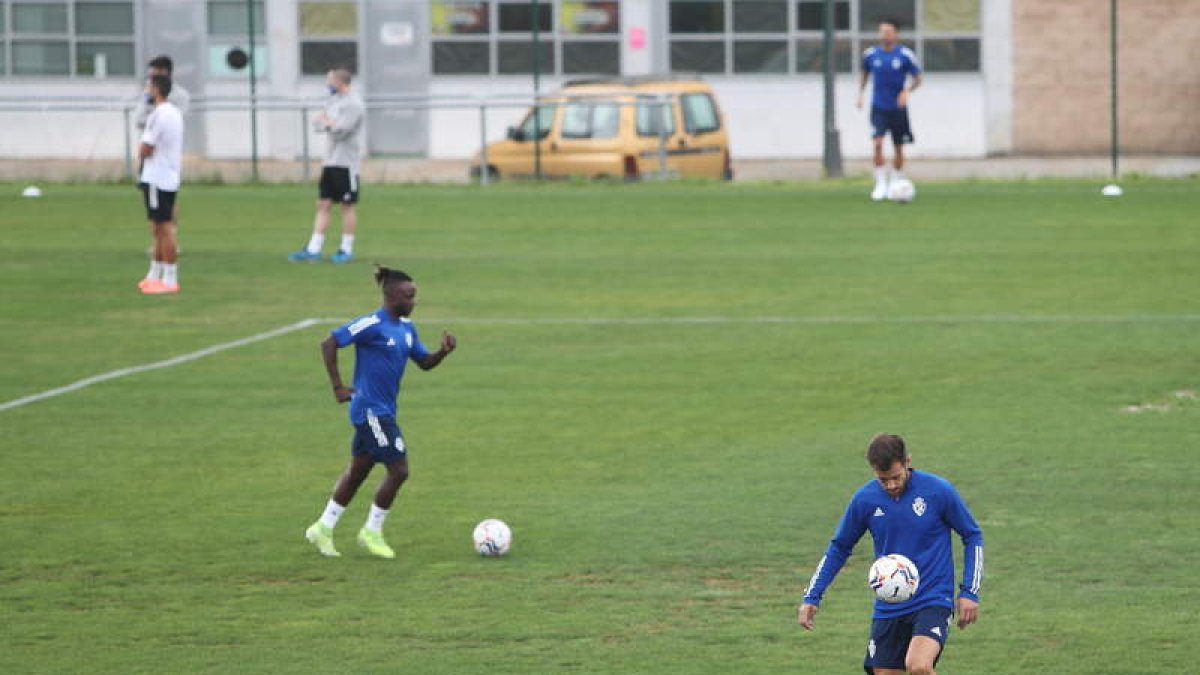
492,538
894,578
902,191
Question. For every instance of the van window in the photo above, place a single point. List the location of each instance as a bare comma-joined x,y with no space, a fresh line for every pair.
700,114
590,120
606,120
654,116
576,120
545,119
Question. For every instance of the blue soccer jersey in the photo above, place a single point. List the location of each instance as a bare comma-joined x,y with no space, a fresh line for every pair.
917,526
383,345
889,71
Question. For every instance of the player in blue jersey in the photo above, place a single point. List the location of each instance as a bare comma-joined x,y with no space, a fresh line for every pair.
384,343
911,513
889,64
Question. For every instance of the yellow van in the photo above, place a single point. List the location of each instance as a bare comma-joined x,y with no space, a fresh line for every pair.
617,128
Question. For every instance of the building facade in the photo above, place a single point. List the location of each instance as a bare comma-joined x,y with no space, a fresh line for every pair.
1002,76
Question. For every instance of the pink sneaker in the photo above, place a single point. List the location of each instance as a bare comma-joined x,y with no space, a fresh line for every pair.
156,287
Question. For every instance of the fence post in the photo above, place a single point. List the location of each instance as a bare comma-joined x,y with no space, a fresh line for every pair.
304,140
128,143
484,178
664,112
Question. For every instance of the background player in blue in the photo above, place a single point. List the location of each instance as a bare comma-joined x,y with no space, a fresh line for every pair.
911,513
889,64
384,342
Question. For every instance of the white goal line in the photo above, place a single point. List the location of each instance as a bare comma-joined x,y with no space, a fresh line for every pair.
613,321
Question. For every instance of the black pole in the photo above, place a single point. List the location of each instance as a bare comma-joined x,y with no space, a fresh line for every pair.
537,75
253,96
1115,138
833,145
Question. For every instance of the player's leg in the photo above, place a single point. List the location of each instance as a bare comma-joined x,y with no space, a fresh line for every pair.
348,184
922,653
393,454
320,533
931,627
325,194
154,274
345,252
901,135
878,130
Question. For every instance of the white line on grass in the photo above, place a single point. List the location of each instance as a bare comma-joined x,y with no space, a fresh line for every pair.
622,321
174,361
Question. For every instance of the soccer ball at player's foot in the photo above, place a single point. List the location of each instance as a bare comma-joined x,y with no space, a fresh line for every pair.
492,537
894,578
902,191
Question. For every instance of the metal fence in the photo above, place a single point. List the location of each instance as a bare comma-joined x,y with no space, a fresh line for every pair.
100,131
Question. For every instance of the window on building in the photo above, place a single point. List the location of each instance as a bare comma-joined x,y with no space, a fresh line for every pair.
328,36
229,27
495,37
786,36
87,38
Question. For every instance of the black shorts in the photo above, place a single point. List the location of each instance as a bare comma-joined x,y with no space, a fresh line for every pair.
894,121
890,637
338,184
160,204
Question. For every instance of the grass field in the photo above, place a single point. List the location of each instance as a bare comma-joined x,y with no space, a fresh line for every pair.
670,481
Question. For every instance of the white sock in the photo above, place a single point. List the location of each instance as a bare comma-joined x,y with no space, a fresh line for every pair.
880,175
347,243
375,518
333,511
315,243
169,274
155,270
897,174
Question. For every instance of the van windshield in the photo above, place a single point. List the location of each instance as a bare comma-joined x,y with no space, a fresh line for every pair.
544,119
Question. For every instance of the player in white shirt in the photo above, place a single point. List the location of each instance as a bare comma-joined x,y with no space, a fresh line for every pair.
162,65
161,152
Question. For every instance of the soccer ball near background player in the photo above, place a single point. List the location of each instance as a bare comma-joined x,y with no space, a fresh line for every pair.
902,190
492,538
894,578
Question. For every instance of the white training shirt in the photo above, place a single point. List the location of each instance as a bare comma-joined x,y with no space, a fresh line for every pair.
164,131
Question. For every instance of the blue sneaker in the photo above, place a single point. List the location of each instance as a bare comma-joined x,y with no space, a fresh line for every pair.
341,257
304,256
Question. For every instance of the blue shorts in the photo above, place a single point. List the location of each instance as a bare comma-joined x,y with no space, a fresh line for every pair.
890,637
380,438
894,121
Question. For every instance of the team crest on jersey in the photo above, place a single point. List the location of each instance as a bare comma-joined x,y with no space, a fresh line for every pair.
408,340
878,63
896,63
919,506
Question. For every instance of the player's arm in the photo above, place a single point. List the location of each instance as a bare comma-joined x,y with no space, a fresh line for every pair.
329,353
902,99
430,360
849,531
862,86
145,150
964,523
347,122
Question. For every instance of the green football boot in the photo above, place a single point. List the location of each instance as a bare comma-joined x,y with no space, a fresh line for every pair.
322,537
374,543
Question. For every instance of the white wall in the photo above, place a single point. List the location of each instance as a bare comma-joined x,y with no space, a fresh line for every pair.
768,117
